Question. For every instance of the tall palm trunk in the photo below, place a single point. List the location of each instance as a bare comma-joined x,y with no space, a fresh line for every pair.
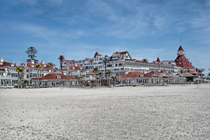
38,77
109,81
18,79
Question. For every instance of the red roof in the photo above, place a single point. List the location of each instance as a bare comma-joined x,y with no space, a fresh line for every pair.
182,61
8,65
138,61
69,60
166,77
73,67
135,75
53,76
96,54
180,48
121,53
191,72
2,69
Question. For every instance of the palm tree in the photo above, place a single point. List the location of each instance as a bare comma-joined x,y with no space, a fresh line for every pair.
18,69
61,60
109,73
105,61
21,75
182,71
144,60
200,71
80,79
114,79
38,67
100,75
95,70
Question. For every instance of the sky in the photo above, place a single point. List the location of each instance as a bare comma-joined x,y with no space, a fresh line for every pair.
77,29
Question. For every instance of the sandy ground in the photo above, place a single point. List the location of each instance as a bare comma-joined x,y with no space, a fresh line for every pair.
170,112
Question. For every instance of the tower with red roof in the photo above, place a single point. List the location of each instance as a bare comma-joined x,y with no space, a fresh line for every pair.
182,61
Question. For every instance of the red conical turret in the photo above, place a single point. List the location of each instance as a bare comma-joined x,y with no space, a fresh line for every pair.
181,60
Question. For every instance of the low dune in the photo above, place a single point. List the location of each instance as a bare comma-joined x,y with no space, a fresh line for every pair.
159,112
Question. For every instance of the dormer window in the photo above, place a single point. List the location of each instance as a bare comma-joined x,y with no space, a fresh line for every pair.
58,76
12,65
81,68
1,63
44,65
73,68
32,66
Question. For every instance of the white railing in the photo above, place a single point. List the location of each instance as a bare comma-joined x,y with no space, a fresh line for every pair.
8,77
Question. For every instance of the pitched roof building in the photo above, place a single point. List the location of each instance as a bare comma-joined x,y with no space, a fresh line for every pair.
181,60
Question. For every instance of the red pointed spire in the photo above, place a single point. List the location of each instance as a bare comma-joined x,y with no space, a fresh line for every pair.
158,59
180,48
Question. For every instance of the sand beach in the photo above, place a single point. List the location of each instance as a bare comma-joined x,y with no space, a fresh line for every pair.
179,112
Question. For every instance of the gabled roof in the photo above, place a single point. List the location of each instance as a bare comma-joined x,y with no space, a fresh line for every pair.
96,54
73,67
121,53
8,65
53,76
182,61
89,60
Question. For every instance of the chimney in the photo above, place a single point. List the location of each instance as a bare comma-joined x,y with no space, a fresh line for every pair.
42,62
1,59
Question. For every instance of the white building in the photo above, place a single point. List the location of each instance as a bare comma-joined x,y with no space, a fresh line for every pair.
120,63
8,74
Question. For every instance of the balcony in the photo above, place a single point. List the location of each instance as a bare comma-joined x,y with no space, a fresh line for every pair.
8,77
